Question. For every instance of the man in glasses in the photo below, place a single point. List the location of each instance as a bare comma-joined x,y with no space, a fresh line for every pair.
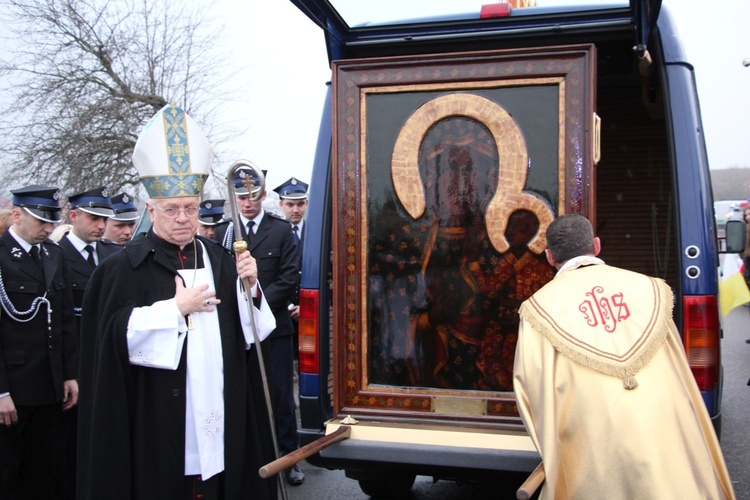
172,407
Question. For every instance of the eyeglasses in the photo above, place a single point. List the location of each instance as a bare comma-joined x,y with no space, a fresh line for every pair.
172,212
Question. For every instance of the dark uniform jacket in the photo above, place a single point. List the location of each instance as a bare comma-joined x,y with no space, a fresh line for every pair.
131,434
301,245
35,360
276,254
79,268
300,250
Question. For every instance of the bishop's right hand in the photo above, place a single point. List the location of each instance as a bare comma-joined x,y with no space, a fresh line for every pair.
190,300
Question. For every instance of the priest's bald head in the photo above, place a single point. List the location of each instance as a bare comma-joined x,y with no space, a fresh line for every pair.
173,158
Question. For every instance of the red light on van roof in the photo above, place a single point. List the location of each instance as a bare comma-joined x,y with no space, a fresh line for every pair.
495,10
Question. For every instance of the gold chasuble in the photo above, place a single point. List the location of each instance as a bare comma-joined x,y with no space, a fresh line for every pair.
606,393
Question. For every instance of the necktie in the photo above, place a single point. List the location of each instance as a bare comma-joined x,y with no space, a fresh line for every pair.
34,252
250,231
90,258
295,230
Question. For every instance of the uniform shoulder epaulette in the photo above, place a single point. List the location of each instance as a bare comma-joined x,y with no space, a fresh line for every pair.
105,241
277,217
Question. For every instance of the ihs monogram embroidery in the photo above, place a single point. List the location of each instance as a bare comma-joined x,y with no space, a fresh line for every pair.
607,311
212,425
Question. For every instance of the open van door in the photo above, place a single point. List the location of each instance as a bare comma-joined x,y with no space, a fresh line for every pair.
449,141
352,26
645,13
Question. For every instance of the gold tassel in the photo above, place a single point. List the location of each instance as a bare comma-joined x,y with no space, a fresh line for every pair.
630,382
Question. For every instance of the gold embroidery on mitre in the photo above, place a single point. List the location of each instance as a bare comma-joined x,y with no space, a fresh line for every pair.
180,179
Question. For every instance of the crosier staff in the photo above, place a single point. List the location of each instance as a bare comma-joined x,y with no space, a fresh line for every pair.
240,246
344,431
532,483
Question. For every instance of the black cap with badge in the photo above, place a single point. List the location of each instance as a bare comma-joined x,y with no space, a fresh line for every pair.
211,212
243,177
124,207
94,201
42,202
293,189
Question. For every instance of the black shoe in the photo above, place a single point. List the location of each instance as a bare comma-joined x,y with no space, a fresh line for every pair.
294,476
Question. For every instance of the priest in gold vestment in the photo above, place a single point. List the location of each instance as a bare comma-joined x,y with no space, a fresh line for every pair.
603,384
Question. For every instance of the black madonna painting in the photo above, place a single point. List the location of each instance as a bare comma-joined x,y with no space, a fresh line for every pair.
452,185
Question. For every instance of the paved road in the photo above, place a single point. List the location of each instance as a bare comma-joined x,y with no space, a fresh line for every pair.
735,434
333,485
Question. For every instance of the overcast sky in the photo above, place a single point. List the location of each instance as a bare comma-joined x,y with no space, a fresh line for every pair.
715,36
280,59
287,70
282,56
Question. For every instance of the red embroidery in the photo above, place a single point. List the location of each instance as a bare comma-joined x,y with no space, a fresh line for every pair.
623,312
601,310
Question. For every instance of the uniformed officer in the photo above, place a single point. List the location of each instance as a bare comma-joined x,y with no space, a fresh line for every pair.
210,215
38,346
121,226
271,242
293,201
83,245
84,249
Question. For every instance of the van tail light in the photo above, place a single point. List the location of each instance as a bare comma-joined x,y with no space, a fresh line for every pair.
308,331
701,337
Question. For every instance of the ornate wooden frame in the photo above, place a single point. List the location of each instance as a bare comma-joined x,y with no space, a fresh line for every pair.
468,78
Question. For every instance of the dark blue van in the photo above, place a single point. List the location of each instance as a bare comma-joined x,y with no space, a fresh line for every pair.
448,142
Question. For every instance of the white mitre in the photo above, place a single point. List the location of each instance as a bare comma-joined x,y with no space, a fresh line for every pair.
172,155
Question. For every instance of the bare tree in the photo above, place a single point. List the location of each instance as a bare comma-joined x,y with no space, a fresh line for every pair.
88,74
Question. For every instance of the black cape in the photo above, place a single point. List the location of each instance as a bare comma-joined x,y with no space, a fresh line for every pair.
131,435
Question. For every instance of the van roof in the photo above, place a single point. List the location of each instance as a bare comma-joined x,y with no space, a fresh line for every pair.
353,22
362,14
